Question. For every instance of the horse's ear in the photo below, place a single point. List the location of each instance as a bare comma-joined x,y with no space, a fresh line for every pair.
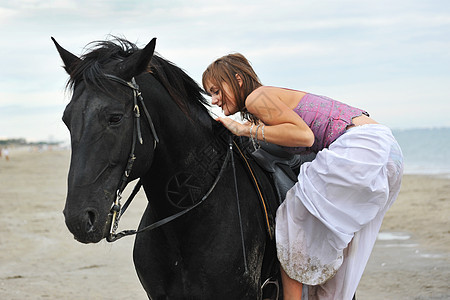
69,59
138,62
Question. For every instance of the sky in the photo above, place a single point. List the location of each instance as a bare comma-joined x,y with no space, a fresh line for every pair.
391,58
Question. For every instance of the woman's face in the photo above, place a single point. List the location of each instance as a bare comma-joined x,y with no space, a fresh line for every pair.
223,98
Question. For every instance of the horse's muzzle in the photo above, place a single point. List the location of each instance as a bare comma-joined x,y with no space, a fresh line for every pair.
86,226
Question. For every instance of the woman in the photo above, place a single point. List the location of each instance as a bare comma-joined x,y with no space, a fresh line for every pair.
328,223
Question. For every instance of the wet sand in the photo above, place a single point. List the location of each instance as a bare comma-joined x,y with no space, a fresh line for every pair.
39,258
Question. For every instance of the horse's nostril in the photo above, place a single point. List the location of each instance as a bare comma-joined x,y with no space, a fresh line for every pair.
91,217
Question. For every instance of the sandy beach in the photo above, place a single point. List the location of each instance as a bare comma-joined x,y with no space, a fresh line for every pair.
39,258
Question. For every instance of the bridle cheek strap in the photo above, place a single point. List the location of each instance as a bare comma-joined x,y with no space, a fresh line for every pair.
137,96
137,136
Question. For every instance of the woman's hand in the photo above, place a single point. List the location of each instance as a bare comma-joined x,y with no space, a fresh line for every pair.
236,128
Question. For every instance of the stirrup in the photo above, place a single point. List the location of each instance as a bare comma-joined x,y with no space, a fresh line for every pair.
277,286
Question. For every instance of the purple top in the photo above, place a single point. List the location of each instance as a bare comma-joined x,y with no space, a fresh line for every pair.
327,118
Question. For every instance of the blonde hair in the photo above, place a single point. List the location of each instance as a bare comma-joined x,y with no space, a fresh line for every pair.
225,69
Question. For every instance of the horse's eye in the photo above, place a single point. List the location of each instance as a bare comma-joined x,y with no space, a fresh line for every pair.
114,119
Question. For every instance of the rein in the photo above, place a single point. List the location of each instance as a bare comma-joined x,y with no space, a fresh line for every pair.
115,236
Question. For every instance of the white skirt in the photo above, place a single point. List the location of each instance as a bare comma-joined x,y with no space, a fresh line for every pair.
328,224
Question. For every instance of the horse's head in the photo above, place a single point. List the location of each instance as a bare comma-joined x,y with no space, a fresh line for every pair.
101,118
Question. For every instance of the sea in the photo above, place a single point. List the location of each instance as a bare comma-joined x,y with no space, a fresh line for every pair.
426,151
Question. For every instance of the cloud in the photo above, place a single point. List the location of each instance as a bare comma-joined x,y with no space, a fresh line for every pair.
6,14
357,50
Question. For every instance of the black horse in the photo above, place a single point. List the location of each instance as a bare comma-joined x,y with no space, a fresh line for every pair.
182,158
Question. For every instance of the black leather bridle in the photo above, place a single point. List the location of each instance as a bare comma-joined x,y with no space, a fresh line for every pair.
117,210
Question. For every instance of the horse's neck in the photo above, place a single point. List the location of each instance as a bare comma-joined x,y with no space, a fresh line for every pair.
191,150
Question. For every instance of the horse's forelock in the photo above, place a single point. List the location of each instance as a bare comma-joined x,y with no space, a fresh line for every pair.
92,64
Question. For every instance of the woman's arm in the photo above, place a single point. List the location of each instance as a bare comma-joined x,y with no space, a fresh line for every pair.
282,126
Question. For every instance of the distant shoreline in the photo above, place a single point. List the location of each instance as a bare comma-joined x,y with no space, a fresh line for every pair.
64,147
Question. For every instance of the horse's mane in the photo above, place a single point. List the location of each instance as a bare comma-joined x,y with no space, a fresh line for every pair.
181,87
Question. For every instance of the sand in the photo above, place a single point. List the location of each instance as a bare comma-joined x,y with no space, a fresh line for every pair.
39,259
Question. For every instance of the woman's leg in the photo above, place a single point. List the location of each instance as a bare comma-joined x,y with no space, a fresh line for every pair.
292,289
